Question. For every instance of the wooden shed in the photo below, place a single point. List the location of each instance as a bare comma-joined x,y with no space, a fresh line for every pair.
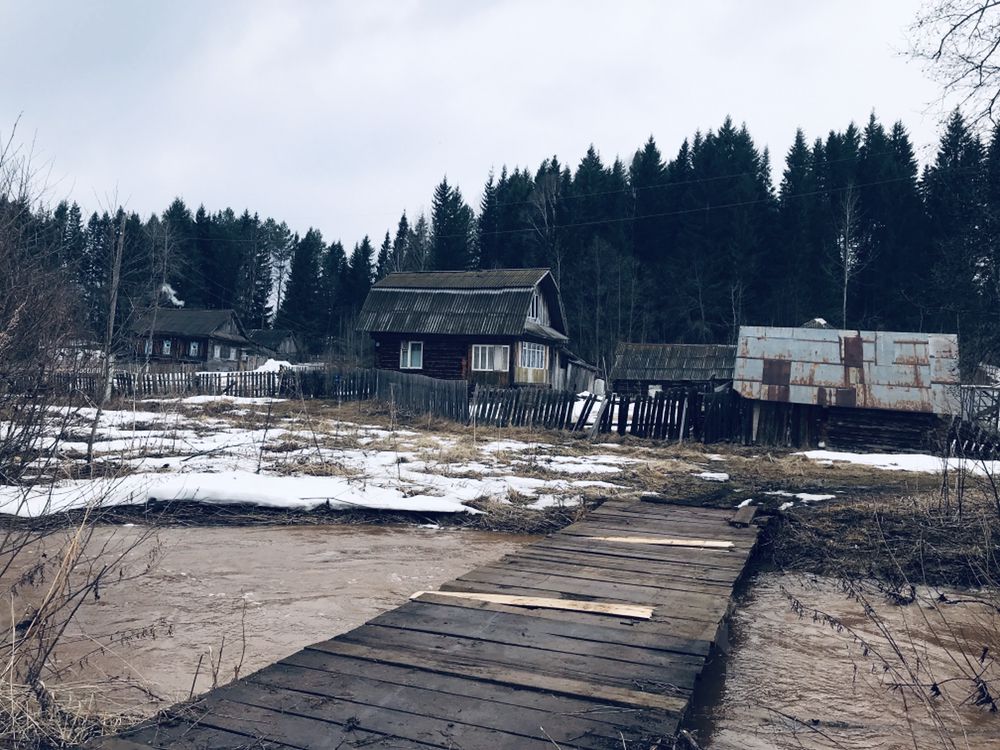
646,368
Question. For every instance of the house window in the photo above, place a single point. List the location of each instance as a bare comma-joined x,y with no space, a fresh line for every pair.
218,352
166,347
411,355
234,353
533,356
193,349
490,358
226,353
536,304
148,348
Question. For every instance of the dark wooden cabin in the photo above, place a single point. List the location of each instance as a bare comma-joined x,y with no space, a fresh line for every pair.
277,343
502,327
209,339
646,368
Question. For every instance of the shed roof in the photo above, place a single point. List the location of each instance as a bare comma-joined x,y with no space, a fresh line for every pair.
674,362
463,303
191,323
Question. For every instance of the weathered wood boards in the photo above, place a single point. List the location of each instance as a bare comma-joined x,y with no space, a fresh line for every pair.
536,602
581,640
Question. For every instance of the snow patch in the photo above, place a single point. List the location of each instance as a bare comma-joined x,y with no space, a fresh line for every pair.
713,476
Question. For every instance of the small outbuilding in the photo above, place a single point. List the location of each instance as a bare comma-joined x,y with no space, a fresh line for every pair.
276,343
504,327
647,368
847,388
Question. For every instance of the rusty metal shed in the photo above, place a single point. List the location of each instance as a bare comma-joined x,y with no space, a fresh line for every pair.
908,372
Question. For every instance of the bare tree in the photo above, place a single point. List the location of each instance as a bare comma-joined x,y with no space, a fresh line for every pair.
958,41
47,570
847,256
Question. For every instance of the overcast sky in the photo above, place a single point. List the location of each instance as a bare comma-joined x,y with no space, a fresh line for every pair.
339,115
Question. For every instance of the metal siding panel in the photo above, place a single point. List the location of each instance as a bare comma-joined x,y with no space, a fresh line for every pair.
877,382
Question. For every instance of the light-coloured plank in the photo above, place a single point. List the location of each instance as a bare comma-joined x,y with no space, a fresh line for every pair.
665,542
635,611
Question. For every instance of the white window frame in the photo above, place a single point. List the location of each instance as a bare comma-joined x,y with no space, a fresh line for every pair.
234,352
147,347
535,309
218,351
165,348
532,354
193,349
490,357
406,349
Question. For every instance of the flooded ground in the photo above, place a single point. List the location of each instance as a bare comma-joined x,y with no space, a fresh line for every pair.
793,680
283,586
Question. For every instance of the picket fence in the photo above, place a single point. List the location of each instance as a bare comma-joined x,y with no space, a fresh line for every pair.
523,407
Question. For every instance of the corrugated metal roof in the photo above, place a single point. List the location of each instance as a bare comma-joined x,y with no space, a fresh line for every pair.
463,303
673,362
192,323
913,372
500,278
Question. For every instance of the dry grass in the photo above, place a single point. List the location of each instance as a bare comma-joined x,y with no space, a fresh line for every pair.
24,727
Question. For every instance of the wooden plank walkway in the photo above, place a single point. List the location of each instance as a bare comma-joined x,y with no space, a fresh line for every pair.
457,672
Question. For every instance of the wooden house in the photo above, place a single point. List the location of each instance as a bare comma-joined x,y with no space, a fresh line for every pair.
204,339
647,368
501,327
277,343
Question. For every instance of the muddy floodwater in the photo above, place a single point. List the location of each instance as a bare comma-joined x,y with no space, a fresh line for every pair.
793,680
256,594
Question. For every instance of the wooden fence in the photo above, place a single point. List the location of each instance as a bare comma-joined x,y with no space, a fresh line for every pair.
676,414
523,407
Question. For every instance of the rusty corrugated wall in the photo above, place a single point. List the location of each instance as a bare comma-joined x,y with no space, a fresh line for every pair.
913,372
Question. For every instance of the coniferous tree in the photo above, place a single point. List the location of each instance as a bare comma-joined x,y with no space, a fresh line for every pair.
400,245
452,227
383,266
301,309
954,197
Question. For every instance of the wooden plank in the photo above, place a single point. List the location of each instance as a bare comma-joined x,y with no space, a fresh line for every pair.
575,569
497,628
179,731
691,605
267,720
628,566
494,695
680,555
508,676
743,517
352,723
691,531
668,542
638,612
456,610
471,719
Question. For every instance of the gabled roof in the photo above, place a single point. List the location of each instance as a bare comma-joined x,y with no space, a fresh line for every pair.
463,303
674,362
190,323
500,278
270,338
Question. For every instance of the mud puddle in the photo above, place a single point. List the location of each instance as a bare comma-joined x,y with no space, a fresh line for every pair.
238,597
794,680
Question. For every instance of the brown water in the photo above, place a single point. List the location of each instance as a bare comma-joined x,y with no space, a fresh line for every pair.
792,681
285,587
